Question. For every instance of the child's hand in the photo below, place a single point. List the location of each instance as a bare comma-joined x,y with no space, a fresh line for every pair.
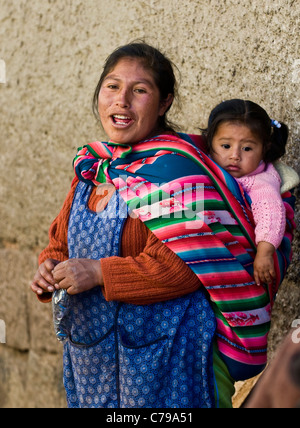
264,271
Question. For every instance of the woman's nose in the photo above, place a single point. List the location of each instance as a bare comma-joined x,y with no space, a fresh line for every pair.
123,99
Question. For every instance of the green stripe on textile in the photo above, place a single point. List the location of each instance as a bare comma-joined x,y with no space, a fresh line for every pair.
101,177
246,304
169,220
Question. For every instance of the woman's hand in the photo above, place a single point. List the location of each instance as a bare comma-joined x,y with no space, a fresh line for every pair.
43,281
78,275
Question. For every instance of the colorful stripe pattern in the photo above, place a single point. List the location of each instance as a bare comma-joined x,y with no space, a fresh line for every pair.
202,214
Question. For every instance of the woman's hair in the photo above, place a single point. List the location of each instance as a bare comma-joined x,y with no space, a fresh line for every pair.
158,64
273,134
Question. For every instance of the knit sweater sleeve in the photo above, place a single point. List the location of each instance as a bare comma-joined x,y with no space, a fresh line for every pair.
58,233
147,272
267,205
156,274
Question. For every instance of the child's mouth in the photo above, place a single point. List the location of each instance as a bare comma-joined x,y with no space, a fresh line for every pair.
233,168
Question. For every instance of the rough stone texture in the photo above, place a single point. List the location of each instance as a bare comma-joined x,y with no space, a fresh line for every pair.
53,52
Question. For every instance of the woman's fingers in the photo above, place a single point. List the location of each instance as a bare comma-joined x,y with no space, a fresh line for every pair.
78,275
43,280
40,284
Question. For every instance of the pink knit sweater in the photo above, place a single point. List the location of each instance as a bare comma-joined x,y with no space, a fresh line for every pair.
263,187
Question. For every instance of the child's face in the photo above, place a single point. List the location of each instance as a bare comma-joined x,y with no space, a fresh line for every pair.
236,149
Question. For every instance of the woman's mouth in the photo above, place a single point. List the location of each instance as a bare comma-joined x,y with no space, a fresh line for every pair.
121,120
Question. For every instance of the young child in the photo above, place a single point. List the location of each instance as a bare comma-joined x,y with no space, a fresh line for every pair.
245,142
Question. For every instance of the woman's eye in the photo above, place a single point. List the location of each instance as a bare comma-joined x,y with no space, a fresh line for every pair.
112,86
140,90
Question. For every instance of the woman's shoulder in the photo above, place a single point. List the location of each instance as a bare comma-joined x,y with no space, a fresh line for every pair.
196,140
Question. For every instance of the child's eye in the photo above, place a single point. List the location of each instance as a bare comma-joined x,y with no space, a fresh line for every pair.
247,149
226,146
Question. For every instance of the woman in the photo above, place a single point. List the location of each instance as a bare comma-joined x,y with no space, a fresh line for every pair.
139,326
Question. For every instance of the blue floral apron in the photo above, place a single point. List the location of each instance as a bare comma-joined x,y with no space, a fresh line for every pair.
119,355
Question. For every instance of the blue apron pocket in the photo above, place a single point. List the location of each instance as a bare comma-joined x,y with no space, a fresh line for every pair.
90,373
144,373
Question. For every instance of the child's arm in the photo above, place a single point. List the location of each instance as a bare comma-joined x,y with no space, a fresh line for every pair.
264,271
270,220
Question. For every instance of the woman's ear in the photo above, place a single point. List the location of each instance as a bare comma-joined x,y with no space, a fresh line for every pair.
166,104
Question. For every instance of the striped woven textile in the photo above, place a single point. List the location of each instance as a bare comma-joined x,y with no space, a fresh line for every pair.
202,214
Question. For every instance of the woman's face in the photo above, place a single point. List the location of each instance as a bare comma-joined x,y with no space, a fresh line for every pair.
129,102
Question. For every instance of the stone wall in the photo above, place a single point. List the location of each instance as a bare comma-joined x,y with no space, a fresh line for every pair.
53,53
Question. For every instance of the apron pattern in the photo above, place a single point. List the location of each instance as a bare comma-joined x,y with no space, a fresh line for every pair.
130,356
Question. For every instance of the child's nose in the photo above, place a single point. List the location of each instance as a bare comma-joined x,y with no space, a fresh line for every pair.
235,154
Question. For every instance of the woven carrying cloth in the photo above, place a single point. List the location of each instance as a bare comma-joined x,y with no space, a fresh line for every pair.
130,356
202,214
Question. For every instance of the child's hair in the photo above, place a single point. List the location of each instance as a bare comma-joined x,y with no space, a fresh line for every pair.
273,134
160,66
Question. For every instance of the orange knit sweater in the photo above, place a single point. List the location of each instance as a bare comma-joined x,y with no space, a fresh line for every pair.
147,271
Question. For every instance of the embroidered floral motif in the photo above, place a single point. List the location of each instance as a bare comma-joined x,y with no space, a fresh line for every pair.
241,319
